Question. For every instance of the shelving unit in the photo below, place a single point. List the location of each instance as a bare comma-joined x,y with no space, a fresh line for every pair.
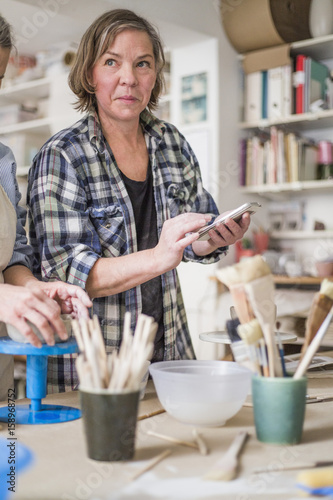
54,98
316,191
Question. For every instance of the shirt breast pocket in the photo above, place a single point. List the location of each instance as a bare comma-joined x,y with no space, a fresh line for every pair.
109,225
176,196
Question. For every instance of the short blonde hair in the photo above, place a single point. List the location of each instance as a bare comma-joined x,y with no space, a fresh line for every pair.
96,41
6,35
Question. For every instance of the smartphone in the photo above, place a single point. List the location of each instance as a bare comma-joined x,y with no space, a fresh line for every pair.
236,215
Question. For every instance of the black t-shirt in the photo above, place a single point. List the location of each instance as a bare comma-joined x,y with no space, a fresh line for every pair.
141,194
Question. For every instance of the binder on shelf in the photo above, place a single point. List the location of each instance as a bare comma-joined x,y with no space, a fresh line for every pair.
274,93
256,66
253,97
316,80
264,85
287,93
299,83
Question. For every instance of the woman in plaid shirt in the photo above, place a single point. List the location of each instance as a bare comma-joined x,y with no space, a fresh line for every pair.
115,200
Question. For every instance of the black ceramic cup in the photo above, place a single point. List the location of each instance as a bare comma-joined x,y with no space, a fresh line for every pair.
109,423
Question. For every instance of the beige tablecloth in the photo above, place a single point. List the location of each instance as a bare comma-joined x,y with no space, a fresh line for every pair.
62,471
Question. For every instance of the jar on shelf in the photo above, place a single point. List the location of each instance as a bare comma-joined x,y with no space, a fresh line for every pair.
324,161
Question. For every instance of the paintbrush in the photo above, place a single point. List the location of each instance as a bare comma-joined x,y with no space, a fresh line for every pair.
320,307
260,291
252,287
232,277
226,468
313,347
251,334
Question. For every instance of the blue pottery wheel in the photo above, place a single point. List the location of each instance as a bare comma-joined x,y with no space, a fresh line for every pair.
36,412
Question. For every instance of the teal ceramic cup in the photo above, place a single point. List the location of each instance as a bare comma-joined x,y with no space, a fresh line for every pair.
279,409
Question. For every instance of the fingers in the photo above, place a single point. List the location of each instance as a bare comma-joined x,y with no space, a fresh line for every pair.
78,310
63,294
23,327
65,291
179,227
41,323
44,313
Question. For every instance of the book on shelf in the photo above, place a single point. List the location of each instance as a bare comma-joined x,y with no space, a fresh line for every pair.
277,157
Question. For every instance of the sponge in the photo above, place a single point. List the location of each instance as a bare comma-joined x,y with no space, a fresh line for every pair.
316,481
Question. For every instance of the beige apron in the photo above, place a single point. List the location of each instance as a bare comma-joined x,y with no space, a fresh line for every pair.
8,221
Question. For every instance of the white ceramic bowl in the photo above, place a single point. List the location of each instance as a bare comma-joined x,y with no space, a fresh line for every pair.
17,336
201,393
144,380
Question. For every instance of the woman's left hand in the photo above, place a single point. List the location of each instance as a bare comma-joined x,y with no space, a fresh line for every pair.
223,235
71,299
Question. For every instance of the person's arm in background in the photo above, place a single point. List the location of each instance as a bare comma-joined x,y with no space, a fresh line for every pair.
35,302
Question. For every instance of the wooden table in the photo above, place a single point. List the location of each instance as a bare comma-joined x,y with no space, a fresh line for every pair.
62,470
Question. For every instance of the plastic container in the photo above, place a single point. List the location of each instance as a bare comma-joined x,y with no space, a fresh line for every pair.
201,393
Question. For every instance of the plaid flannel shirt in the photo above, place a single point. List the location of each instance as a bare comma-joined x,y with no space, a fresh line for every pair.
79,211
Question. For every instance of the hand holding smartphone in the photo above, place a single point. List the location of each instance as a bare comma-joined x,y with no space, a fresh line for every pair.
236,215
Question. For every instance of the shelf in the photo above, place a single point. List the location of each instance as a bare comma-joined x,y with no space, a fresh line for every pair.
301,235
36,89
39,125
318,48
292,187
304,121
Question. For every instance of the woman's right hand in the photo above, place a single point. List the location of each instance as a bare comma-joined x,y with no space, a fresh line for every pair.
19,304
176,235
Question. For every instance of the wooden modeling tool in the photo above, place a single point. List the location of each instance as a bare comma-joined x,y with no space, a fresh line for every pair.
151,464
305,465
121,370
226,468
171,439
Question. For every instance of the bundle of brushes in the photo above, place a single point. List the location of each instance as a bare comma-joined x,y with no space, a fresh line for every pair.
118,371
252,289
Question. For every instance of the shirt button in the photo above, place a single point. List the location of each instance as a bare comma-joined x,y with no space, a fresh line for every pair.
108,225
